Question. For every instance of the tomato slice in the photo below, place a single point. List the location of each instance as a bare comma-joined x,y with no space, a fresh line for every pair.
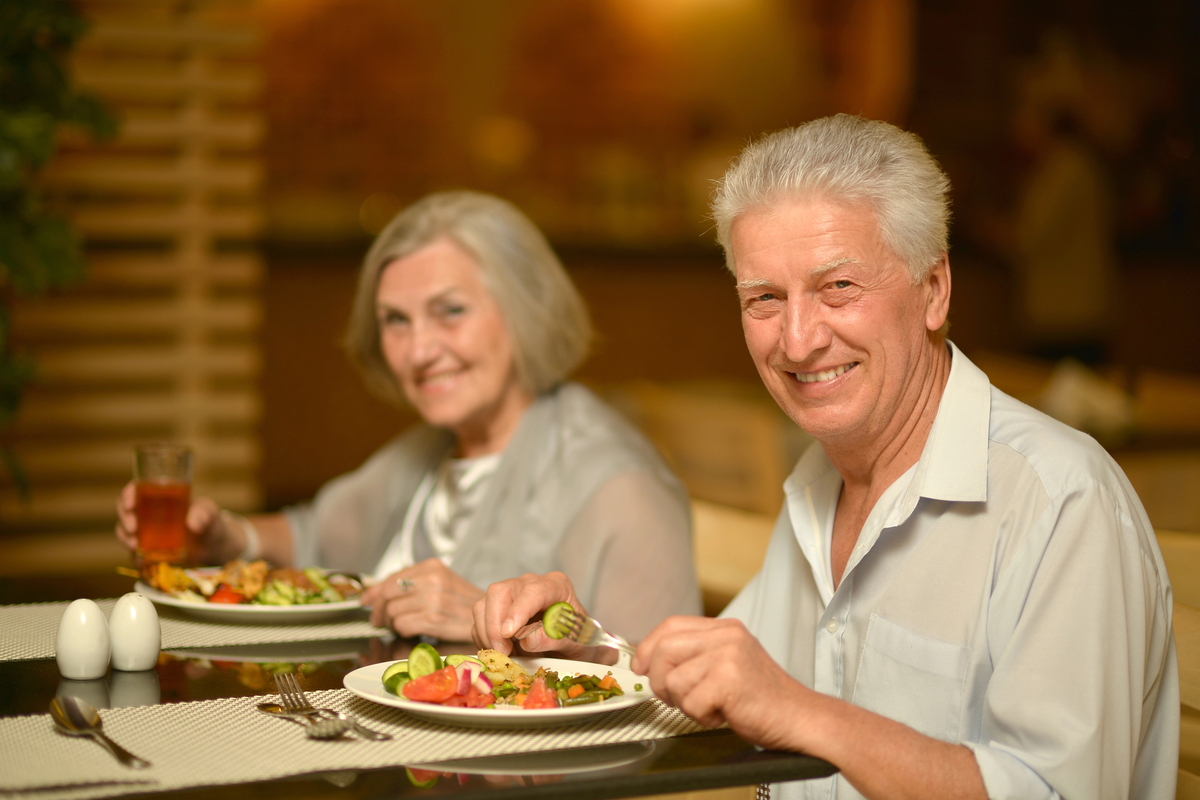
225,594
475,699
436,687
540,695
472,699
422,778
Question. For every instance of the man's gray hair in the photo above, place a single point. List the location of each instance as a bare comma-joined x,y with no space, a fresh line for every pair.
545,315
845,159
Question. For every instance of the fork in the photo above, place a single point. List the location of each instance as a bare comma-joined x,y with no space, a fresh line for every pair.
588,632
295,701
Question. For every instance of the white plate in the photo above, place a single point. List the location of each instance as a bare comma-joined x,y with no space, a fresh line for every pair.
249,613
367,683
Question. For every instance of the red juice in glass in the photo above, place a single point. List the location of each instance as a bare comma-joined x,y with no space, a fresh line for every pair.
162,476
161,509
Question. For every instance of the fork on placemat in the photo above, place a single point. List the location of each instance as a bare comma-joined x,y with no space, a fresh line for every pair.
588,632
295,701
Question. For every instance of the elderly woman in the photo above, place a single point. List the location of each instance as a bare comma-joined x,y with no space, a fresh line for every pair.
464,311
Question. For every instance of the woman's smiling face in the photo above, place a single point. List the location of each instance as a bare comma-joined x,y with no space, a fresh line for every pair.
445,339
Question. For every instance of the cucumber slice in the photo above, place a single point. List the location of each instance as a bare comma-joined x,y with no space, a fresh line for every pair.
423,660
395,669
395,683
557,620
454,659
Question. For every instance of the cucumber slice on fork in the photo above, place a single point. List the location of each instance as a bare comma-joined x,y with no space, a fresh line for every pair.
559,620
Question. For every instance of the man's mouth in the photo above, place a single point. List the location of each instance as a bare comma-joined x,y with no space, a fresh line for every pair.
824,375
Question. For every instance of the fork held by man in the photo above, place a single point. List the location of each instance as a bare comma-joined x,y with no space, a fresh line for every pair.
570,624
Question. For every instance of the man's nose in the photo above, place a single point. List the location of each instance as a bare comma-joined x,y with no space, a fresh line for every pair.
805,330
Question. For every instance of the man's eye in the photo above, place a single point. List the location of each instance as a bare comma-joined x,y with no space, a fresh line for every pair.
766,297
842,284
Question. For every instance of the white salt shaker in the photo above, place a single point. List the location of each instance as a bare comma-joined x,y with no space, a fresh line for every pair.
135,633
82,646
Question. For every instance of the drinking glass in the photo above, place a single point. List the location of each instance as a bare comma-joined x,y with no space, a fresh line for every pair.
162,474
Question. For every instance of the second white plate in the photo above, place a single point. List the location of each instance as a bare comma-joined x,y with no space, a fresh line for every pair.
249,613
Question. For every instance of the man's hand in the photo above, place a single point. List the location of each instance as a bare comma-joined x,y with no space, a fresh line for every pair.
508,606
425,599
714,671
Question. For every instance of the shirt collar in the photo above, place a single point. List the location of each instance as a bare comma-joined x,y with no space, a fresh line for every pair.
953,465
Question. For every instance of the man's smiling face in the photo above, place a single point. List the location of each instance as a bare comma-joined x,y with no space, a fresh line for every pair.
836,327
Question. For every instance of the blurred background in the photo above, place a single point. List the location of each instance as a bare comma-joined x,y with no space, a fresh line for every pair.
261,144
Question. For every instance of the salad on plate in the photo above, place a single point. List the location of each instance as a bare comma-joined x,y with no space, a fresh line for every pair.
256,582
492,680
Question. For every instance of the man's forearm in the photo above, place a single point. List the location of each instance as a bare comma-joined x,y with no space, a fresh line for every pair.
883,758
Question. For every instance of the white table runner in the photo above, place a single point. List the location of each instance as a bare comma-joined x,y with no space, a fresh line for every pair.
28,631
218,742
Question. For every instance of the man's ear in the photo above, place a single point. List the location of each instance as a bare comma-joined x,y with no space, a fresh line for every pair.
937,296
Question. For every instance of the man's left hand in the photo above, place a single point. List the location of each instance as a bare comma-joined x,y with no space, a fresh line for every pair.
714,671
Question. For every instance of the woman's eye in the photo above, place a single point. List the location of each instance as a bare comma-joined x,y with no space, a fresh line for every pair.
392,318
451,310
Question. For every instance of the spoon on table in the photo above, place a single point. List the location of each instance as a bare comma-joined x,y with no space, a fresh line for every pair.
76,717
314,726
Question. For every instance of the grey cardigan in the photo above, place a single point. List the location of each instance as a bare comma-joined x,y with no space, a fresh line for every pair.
578,489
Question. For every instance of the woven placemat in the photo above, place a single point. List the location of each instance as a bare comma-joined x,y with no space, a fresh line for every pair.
219,742
28,631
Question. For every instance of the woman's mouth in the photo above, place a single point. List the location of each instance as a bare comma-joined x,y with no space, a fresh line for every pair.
436,379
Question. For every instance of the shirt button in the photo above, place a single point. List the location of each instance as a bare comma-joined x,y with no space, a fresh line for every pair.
831,626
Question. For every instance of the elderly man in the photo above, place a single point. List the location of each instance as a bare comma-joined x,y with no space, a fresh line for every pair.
962,597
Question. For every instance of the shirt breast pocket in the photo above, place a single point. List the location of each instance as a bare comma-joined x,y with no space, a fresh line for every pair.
912,679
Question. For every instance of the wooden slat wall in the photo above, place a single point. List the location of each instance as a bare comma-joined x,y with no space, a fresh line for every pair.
161,342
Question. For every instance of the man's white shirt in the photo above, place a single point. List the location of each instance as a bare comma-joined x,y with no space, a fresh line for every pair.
1006,593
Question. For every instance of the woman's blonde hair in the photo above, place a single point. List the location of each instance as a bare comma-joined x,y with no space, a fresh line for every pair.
546,318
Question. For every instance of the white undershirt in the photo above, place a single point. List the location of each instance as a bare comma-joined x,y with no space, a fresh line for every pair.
446,501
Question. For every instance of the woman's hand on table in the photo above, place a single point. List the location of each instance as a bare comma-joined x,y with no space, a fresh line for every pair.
508,606
425,599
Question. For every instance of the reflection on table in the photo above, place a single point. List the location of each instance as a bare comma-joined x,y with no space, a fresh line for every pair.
706,760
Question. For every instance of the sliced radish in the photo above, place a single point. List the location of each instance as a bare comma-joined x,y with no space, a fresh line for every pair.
483,683
468,671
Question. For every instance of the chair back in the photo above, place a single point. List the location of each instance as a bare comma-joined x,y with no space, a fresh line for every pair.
730,545
1187,645
729,443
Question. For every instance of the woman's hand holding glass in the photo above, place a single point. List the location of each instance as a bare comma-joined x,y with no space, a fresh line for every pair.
426,599
210,538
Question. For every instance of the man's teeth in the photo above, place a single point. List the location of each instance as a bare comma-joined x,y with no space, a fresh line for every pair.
818,377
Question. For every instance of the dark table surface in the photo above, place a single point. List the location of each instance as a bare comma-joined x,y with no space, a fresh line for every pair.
708,760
